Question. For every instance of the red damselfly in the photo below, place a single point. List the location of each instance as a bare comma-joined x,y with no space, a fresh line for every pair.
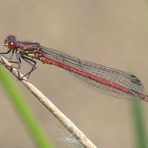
101,77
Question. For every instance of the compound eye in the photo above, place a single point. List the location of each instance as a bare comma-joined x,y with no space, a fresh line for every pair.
10,45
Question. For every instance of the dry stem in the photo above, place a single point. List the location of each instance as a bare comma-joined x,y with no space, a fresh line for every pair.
72,128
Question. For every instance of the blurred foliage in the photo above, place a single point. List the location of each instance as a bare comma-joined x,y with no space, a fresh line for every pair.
23,110
139,125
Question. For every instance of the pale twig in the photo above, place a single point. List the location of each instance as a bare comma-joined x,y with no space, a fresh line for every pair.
68,124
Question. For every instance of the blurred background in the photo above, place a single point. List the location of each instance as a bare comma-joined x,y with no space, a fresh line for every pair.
113,33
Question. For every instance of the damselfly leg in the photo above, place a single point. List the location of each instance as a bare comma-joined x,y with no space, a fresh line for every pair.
30,62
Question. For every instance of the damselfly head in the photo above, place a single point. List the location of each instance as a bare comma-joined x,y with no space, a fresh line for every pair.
10,42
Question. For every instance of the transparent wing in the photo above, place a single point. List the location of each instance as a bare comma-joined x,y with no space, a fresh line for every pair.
125,79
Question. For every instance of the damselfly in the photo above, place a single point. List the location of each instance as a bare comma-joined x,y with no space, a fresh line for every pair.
101,77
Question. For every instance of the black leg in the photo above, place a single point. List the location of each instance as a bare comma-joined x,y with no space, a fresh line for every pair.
31,62
18,60
7,53
20,56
